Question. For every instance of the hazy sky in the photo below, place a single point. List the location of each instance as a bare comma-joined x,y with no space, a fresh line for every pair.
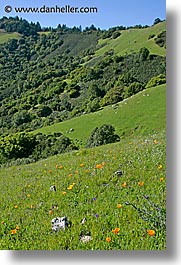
110,12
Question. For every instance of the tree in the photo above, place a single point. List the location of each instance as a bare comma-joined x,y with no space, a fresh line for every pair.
116,34
143,54
156,81
17,145
133,89
103,135
156,21
44,111
114,95
21,117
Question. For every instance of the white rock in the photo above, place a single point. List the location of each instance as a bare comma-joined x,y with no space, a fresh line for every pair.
85,239
59,223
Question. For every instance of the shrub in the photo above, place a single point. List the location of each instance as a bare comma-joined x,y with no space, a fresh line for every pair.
114,95
156,81
143,54
103,135
133,89
161,39
116,34
16,145
21,117
26,147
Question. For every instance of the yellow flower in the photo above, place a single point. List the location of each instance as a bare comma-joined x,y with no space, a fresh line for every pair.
82,165
161,179
16,206
124,185
108,239
2,222
70,187
160,167
70,175
64,193
141,183
60,167
155,141
17,227
119,206
13,231
116,230
99,166
151,232
76,172
28,195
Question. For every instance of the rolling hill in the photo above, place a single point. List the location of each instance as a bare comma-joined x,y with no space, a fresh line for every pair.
68,81
142,114
132,40
5,36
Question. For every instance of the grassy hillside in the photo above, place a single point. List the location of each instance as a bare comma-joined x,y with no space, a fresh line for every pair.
142,114
124,212
4,36
132,40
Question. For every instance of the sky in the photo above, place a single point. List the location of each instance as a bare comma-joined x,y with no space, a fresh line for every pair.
110,12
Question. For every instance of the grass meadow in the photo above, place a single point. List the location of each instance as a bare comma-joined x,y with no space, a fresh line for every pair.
124,211
132,40
4,36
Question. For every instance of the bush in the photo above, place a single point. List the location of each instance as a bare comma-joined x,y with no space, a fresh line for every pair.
26,147
161,39
16,146
113,96
133,89
156,81
116,34
52,144
103,135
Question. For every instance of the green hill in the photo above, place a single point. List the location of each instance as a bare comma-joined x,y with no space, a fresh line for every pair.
58,74
132,40
123,212
142,114
70,81
5,36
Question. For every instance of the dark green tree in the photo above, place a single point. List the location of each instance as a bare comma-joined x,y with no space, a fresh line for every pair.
102,135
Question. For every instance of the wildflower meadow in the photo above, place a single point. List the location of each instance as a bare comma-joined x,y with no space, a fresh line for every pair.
124,212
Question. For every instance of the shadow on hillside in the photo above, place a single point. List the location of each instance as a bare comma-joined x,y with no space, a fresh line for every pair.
171,254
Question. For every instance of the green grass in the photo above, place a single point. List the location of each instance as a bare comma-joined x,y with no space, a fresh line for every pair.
27,189
4,36
137,115
26,201
132,40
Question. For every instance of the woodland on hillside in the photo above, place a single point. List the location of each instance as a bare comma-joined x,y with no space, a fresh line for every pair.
51,75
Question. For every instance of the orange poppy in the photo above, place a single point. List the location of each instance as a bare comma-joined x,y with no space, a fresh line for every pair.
13,231
108,239
116,230
99,166
124,185
151,232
